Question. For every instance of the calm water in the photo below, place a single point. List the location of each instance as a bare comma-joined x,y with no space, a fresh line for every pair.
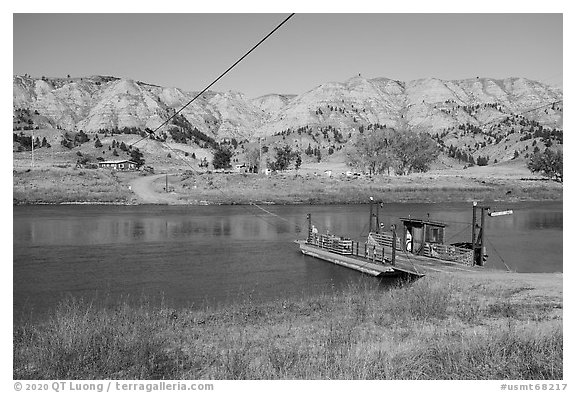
193,256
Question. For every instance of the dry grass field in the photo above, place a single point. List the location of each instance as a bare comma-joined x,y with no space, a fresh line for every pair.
478,326
306,188
67,185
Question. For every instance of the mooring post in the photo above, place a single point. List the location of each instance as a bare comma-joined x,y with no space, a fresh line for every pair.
423,240
477,236
474,224
377,218
309,219
393,227
482,234
371,214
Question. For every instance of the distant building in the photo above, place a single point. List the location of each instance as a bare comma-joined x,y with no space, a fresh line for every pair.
241,168
121,165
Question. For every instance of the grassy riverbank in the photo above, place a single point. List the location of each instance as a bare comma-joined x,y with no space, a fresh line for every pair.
68,185
294,188
476,326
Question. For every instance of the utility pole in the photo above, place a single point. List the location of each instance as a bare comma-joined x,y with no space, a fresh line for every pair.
32,144
483,231
166,182
260,161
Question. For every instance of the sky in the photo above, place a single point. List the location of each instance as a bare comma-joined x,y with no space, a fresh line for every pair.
190,50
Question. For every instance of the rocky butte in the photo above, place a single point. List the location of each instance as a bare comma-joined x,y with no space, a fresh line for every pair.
495,118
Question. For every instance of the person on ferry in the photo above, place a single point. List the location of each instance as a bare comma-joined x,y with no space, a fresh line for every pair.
408,241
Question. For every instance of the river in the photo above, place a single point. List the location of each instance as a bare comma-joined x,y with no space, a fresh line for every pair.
196,256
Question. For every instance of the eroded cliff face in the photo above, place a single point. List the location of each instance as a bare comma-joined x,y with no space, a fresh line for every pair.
433,105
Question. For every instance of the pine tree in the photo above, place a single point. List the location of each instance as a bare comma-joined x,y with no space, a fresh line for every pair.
137,156
298,161
221,158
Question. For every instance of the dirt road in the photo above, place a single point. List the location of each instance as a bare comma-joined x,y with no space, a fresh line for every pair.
148,192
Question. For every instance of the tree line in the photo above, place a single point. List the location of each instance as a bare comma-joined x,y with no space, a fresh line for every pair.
25,142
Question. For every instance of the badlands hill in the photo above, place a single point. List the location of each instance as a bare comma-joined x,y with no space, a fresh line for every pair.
499,119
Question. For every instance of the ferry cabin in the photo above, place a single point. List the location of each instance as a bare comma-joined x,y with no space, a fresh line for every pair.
426,238
418,232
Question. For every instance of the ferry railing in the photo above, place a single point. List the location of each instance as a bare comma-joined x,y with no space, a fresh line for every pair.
375,253
332,243
433,250
345,246
384,239
450,253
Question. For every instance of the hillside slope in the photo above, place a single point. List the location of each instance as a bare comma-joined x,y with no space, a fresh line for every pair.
496,120
95,103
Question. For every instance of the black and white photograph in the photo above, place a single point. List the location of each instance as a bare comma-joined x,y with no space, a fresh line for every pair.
201,197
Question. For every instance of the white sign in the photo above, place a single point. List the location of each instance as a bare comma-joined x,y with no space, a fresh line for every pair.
502,213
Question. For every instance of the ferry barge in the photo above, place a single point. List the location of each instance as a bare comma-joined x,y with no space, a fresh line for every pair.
418,248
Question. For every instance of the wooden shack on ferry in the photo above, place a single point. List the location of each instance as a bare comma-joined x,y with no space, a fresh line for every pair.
418,232
425,237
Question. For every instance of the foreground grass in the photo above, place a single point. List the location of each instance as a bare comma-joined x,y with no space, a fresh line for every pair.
435,328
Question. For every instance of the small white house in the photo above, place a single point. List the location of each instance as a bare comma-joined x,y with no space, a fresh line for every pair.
121,165
240,168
